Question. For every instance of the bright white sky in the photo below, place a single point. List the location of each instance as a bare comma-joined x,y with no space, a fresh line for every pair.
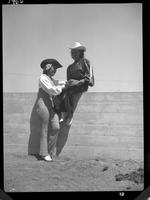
112,34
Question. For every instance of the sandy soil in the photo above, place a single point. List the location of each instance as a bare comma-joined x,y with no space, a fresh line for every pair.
25,173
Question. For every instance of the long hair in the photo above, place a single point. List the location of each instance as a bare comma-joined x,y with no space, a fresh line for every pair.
45,71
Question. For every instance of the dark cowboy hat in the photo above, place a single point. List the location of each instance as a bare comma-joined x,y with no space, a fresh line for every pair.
52,61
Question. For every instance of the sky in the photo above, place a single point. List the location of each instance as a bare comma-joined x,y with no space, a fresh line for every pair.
111,33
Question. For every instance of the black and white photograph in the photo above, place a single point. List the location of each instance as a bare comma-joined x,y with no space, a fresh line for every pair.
73,97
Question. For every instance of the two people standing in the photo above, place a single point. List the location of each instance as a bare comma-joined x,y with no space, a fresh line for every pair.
45,122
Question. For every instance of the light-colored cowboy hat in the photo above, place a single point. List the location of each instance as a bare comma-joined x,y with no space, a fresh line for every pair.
78,46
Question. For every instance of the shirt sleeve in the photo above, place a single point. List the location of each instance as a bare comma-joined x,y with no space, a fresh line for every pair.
48,86
68,73
88,74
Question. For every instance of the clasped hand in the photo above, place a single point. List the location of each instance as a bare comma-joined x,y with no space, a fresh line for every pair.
71,82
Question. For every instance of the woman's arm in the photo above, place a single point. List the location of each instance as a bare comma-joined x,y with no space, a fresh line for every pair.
48,86
57,82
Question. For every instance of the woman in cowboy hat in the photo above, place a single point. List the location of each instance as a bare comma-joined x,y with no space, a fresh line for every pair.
44,122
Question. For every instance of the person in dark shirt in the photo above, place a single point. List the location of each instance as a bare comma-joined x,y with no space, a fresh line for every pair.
78,78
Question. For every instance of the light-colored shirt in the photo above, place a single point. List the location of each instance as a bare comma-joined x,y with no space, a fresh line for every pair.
50,85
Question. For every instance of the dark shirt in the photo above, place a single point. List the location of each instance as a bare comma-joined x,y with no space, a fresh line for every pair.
78,75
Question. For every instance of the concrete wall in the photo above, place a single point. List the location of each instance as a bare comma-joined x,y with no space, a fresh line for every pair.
105,125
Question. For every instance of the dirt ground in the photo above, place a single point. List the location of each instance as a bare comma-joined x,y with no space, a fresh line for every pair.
27,174
115,165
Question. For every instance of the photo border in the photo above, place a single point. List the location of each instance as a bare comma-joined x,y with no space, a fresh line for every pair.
128,195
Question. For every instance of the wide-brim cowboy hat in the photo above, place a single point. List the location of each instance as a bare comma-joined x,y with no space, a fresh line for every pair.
78,46
52,61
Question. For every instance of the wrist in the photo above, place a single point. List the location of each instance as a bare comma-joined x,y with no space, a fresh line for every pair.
82,81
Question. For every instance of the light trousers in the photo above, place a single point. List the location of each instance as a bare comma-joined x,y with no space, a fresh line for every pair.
49,128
